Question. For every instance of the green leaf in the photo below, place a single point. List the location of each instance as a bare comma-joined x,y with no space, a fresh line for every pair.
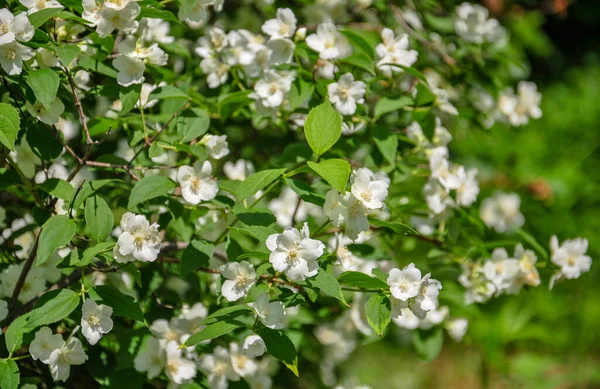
227,312
361,61
122,304
129,98
260,233
257,181
335,171
56,305
361,280
14,334
386,142
42,142
96,66
56,232
306,192
196,254
58,188
328,284
280,347
167,92
44,84
301,92
428,345
99,218
254,217
67,53
9,374
533,243
88,189
146,12
398,228
213,331
379,313
38,18
148,188
359,42
192,124
90,253
322,128
386,105
9,125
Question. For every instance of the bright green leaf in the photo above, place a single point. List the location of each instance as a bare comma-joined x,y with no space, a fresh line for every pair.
148,188
58,188
386,105
322,128
98,218
213,331
328,284
57,305
9,125
44,84
335,171
14,334
56,232
379,313
192,124
9,374
361,280
257,181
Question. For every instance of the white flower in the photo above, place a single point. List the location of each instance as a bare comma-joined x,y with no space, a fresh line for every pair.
519,108
284,26
350,128
3,310
326,69
14,27
139,240
155,30
286,205
472,23
242,364
570,258
195,11
49,116
405,283
457,328
346,210
38,5
437,196
113,17
240,278
240,170
294,253
218,369
468,187
426,300
131,70
272,88
403,317
151,359
196,183
501,212
394,51
95,320
254,346
216,145
478,287
178,368
367,188
346,93
12,56
528,272
271,314
61,359
502,271
56,170
329,42
44,344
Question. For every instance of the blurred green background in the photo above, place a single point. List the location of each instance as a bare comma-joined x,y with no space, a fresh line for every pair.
540,338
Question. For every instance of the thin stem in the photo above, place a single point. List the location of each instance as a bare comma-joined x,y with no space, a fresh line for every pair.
24,272
25,181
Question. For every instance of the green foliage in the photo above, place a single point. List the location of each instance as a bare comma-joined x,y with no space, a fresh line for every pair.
322,128
56,306
56,232
9,125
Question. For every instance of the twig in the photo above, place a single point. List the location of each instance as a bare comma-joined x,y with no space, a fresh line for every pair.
149,142
25,181
88,138
24,273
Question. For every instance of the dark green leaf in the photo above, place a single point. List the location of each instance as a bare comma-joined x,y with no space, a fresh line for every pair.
361,61
98,217
257,181
213,331
38,18
361,280
56,232
88,189
196,254
58,188
122,304
386,105
306,192
328,284
280,347
167,92
192,124
44,84
158,14
129,98
43,143
386,142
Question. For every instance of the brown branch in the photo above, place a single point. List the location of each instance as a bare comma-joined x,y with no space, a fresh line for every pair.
88,138
149,142
24,273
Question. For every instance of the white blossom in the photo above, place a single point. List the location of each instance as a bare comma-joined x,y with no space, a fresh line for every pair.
329,42
131,70
44,344
95,320
242,364
240,278
288,207
60,361
346,210
473,25
271,314
457,328
394,51
426,300
254,346
155,30
12,56
216,145
3,310
196,182
47,115
294,253
284,26
570,257
405,283
501,212
522,106
368,189
217,368
112,15
139,240
38,5
240,170
14,27
151,359
178,369
346,93
272,88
